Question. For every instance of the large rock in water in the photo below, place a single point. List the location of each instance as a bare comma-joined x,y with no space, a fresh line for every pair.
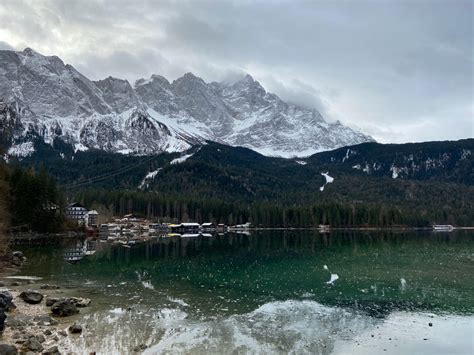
31,296
64,308
80,302
17,258
6,299
75,329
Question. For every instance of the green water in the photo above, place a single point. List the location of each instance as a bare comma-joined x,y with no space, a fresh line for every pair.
269,292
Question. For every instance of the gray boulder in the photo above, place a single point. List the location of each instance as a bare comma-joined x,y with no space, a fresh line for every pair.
64,308
6,299
31,296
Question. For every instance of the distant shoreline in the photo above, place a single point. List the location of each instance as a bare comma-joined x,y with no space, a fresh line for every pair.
22,237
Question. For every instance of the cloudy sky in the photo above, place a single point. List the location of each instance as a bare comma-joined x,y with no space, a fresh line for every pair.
398,70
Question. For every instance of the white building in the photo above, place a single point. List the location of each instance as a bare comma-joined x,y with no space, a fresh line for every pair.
77,212
91,218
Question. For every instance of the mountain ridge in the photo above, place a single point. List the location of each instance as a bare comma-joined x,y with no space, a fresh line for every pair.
54,100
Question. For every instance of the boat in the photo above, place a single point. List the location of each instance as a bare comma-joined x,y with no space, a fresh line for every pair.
442,227
324,228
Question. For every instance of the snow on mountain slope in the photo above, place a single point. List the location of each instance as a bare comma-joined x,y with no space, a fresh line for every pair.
53,100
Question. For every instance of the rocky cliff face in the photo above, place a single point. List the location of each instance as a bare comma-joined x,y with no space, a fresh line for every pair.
50,100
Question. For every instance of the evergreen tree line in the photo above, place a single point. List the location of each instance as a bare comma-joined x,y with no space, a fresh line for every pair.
178,208
29,200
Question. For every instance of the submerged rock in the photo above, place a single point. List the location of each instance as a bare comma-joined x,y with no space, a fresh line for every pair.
75,329
51,300
18,254
31,296
33,344
7,349
64,308
52,351
17,258
18,320
45,320
49,287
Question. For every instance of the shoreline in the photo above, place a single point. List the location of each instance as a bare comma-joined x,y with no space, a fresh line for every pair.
28,238
33,328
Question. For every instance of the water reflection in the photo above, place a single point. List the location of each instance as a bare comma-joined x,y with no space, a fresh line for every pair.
80,250
269,291
373,272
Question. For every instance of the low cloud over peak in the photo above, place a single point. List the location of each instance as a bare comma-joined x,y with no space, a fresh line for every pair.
401,71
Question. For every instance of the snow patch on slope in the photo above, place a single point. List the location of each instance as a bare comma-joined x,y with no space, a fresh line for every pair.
181,159
21,150
329,180
150,176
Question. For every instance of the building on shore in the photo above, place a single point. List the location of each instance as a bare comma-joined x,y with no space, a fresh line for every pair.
91,218
77,212
82,215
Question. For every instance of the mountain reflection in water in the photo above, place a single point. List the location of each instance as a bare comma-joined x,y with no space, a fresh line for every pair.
267,291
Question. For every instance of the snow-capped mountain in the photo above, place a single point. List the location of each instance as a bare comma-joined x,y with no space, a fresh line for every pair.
40,96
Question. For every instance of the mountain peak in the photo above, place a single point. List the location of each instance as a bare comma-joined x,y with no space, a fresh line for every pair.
29,52
154,78
248,78
112,79
190,77
248,85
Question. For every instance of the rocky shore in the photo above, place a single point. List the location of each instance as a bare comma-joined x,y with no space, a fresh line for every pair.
36,318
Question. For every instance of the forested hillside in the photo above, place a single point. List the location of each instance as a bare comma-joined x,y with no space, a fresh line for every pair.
433,184
449,161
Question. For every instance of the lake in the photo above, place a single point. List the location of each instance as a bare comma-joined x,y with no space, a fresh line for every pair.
345,292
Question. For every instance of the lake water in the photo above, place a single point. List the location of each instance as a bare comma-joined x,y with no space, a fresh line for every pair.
274,292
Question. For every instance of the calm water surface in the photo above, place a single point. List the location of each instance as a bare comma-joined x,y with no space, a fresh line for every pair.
274,292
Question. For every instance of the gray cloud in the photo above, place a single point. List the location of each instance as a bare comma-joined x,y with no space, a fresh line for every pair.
399,70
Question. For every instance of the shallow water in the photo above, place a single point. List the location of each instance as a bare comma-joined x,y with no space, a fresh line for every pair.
274,292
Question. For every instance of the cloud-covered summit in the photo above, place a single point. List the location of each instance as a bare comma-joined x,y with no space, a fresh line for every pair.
400,70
